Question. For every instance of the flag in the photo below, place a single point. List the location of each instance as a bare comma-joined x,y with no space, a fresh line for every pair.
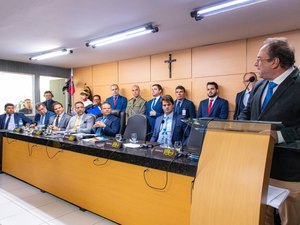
71,87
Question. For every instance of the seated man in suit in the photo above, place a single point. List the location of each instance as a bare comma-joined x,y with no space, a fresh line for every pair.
81,122
154,108
242,97
170,123
213,106
49,101
108,124
43,115
9,120
117,101
183,106
59,121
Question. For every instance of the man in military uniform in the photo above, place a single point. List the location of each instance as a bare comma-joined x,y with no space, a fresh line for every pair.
136,105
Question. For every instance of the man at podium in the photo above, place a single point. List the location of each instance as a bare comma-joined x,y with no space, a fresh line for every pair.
276,98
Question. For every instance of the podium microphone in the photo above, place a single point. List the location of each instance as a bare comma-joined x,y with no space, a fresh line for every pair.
251,80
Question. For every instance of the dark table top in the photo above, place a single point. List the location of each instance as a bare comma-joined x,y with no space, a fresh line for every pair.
146,157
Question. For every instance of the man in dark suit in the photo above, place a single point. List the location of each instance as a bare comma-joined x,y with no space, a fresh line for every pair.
43,115
242,97
117,101
154,107
81,122
9,119
49,101
108,124
183,106
276,98
59,122
169,124
213,106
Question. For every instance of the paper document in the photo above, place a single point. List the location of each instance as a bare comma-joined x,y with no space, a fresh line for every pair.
276,196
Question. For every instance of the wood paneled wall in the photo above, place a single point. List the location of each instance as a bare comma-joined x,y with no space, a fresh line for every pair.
224,63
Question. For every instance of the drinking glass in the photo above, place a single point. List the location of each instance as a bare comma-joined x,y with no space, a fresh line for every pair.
134,137
118,137
178,146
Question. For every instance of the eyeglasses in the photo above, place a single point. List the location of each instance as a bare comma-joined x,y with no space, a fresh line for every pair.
262,59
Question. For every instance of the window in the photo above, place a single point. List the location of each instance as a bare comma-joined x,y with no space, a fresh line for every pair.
15,89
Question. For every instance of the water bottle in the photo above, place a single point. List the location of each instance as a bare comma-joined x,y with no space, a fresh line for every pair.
20,124
183,112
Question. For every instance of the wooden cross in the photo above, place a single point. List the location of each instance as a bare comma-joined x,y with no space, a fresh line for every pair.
170,61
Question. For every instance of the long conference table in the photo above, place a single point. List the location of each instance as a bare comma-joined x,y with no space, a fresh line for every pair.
131,186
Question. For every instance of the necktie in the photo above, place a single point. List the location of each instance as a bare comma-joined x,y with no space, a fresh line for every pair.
56,121
269,94
210,105
42,119
77,123
134,100
153,103
115,100
7,122
178,105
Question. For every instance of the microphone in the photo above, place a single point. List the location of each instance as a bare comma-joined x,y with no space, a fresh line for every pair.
250,80
161,125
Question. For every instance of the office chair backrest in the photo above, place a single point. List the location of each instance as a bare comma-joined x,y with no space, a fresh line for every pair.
137,124
122,116
195,139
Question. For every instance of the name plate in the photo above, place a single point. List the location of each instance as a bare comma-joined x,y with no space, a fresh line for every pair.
113,144
164,152
69,137
18,130
37,132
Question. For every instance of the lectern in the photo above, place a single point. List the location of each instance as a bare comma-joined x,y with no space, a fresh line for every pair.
231,183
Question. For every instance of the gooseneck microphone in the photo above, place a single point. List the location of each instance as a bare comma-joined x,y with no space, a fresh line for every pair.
251,80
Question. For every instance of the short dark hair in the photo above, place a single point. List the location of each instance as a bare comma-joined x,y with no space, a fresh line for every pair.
39,104
79,102
97,96
8,104
103,103
158,86
49,92
180,87
213,83
167,98
56,103
281,49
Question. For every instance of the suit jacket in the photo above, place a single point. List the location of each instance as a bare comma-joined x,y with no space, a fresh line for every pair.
121,103
189,108
49,104
112,125
179,131
17,117
86,123
63,122
239,104
37,117
284,106
219,109
157,108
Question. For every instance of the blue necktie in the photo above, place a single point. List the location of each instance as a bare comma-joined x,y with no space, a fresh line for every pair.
7,122
178,105
269,94
153,103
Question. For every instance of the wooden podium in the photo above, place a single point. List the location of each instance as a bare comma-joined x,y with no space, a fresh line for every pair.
233,172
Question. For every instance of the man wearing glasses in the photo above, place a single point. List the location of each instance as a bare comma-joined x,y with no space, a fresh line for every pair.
276,98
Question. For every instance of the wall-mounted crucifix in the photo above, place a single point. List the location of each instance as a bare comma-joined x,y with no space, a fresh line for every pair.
170,61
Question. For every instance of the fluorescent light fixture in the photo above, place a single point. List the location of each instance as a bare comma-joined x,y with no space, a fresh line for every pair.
51,54
123,36
200,13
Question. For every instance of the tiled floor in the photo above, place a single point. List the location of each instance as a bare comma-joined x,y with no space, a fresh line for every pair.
20,204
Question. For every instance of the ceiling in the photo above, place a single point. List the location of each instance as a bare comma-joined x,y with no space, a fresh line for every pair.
33,26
